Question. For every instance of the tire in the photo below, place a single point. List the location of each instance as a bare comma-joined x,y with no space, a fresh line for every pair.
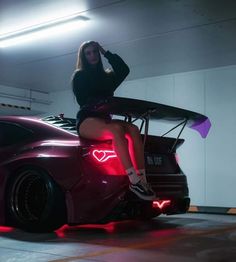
35,202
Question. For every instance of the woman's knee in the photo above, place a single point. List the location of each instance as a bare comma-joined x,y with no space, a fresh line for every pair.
133,130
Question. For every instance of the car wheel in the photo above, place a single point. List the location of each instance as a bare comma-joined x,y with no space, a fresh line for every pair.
35,202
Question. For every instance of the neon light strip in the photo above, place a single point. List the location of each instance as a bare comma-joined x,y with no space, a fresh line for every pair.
96,154
160,204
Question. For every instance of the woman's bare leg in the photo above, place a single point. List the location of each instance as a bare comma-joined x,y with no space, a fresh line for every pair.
135,144
94,128
136,148
98,129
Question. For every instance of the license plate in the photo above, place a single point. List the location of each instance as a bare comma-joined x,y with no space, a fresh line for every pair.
154,160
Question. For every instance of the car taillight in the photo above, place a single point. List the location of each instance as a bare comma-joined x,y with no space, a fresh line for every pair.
177,158
160,204
6,229
103,155
102,159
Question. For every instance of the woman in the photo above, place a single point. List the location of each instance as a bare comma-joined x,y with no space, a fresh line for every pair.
91,84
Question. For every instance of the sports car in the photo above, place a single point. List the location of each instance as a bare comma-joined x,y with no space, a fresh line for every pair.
49,176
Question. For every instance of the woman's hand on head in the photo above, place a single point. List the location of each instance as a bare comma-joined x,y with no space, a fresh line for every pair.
100,48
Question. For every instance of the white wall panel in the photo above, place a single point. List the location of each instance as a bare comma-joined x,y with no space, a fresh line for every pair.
160,90
133,89
37,101
221,143
189,94
11,91
189,91
64,102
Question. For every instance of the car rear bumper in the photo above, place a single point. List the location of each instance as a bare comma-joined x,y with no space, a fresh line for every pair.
169,185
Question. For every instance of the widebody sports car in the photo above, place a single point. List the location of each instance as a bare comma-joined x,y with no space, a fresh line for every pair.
49,176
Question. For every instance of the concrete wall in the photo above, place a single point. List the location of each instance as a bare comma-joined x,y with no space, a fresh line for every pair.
37,101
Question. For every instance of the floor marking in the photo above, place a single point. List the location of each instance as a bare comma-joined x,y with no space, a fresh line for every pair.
193,209
232,211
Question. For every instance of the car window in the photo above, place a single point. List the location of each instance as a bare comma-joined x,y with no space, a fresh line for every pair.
11,134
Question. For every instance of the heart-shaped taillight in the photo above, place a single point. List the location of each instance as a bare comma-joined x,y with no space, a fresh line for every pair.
103,155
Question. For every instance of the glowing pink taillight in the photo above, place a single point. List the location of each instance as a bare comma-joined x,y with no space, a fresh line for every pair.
160,203
6,229
177,158
103,155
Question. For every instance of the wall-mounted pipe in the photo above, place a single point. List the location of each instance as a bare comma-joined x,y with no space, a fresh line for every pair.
28,99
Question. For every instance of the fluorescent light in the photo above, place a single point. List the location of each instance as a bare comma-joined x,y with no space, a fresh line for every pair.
52,28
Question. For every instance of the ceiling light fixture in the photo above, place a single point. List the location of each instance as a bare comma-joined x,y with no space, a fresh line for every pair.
43,30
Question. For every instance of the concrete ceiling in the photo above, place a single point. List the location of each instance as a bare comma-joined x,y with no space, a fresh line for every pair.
154,38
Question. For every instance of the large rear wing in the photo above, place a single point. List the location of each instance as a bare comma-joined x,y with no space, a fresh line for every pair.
134,109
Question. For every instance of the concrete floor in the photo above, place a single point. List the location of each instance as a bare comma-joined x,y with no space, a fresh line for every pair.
189,237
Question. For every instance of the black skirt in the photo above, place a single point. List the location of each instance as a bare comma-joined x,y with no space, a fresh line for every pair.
83,114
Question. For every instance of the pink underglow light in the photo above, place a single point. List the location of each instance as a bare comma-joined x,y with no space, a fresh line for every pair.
61,231
109,228
65,230
160,203
103,155
6,229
